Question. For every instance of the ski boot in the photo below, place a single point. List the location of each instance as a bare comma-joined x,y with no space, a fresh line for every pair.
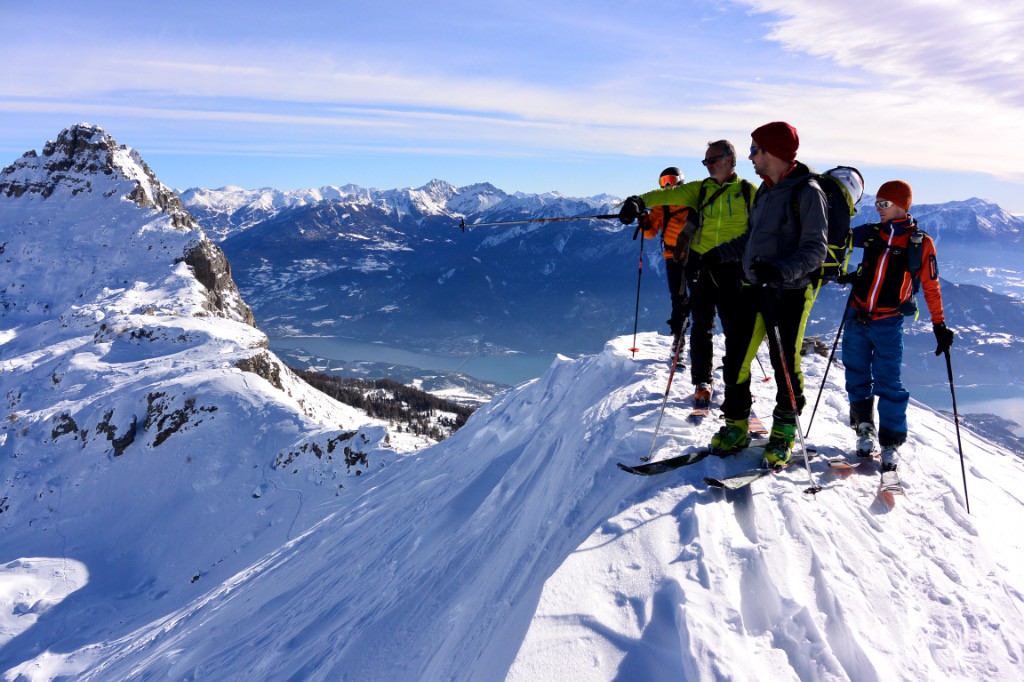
867,439
702,395
678,341
890,479
780,445
732,437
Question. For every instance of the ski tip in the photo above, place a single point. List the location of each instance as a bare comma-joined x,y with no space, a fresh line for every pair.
714,482
625,467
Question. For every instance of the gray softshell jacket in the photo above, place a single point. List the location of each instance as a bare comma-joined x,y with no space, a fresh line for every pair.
797,245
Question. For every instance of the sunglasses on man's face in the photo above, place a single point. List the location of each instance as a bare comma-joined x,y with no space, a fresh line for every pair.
712,160
754,149
883,204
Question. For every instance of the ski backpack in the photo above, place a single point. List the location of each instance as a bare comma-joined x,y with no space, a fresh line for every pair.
843,187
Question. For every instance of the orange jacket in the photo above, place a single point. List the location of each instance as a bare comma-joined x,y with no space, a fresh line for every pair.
670,221
885,283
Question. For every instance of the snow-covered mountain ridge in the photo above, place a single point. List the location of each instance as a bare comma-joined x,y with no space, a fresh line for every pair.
516,549
229,210
972,221
394,264
142,411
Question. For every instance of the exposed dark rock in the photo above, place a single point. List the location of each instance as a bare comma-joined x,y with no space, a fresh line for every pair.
65,425
168,420
211,268
262,365
107,428
285,459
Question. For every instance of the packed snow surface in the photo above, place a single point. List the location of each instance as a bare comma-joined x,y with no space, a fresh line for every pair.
517,549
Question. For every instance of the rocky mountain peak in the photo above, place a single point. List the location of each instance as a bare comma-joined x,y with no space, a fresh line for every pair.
439,189
84,158
85,170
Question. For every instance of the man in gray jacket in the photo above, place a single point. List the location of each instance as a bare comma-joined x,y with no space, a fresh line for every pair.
785,241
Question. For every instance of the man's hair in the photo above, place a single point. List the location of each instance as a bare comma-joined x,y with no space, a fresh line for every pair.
724,147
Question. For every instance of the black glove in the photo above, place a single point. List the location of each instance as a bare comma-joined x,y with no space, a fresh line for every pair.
943,337
631,208
767,272
711,257
848,278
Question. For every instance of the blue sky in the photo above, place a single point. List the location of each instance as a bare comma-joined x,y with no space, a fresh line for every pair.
578,97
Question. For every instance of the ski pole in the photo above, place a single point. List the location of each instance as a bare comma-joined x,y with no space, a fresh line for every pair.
780,349
463,225
828,365
956,422
639,276
661,413
761,365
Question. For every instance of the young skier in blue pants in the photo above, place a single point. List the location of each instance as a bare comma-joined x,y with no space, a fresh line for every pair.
898,259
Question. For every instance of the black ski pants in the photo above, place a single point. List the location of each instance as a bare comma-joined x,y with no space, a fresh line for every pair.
764,308
715,288
680,301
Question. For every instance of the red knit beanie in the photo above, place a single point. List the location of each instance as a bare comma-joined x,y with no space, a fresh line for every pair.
778,139
898,192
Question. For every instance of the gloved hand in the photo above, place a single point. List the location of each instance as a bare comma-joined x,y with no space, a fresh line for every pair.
643,222
766,271
848,278
711,257
631,208
943,337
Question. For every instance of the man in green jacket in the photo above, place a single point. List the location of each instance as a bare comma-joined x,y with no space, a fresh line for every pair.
719,206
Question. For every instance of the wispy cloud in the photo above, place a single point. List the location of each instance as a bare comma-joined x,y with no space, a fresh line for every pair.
929,84
973,44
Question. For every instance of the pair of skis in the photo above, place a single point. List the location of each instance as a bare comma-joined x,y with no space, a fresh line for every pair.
755,426
734,482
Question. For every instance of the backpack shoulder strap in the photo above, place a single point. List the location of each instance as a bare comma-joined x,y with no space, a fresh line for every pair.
702,204
915,249
748,190
794,195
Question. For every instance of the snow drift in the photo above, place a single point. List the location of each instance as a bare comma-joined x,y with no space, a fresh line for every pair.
516,548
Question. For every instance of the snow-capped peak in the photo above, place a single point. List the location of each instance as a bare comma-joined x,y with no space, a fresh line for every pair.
142,413
85,159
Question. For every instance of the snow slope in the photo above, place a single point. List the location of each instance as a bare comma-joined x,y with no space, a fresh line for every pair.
516,548
150,445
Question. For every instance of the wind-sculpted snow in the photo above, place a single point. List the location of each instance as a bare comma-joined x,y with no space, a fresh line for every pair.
517,549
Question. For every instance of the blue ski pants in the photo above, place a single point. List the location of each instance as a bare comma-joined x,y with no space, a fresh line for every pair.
873,357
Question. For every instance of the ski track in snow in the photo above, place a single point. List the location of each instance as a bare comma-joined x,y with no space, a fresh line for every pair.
517,549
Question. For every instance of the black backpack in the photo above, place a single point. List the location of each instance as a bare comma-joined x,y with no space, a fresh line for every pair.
839,184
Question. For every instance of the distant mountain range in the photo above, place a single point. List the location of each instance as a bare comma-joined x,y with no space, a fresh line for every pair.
394,266
229,210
